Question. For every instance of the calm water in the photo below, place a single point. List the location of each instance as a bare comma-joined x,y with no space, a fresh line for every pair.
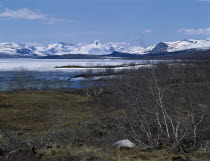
43,70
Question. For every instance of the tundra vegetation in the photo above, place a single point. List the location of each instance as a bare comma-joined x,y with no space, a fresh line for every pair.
162,108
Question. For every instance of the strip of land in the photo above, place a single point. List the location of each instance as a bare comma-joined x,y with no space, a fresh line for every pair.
101,66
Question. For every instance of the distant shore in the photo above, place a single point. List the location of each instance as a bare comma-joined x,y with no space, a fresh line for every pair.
101,66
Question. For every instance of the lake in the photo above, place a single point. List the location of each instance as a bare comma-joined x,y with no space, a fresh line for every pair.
44,69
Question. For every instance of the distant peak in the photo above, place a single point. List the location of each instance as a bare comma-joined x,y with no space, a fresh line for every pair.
207,39
64,43
96,42
163,43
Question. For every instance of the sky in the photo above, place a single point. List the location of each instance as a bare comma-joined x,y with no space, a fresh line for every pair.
74,21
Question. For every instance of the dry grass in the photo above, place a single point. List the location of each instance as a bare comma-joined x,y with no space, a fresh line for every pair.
89,153
30,113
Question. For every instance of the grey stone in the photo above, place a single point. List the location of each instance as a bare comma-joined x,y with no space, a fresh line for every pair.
124,144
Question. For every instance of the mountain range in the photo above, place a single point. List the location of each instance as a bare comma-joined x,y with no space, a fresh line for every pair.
96,48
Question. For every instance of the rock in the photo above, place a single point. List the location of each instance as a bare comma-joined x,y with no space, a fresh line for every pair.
124,144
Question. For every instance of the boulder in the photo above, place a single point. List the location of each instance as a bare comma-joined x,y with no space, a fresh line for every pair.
124,144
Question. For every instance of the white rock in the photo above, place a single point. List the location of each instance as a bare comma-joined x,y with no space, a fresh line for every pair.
124,144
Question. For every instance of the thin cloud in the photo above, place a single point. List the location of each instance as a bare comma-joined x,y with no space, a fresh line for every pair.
205,31
28,14
52,20
23,13
147,31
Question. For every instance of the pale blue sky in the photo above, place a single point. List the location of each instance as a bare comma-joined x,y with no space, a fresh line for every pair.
46,21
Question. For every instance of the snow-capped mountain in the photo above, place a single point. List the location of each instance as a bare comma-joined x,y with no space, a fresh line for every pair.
61,48
180,46
15,49
97,48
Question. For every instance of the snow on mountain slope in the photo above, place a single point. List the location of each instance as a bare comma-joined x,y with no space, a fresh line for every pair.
9,48
59,48
180,45
15,49
137,50
97,48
